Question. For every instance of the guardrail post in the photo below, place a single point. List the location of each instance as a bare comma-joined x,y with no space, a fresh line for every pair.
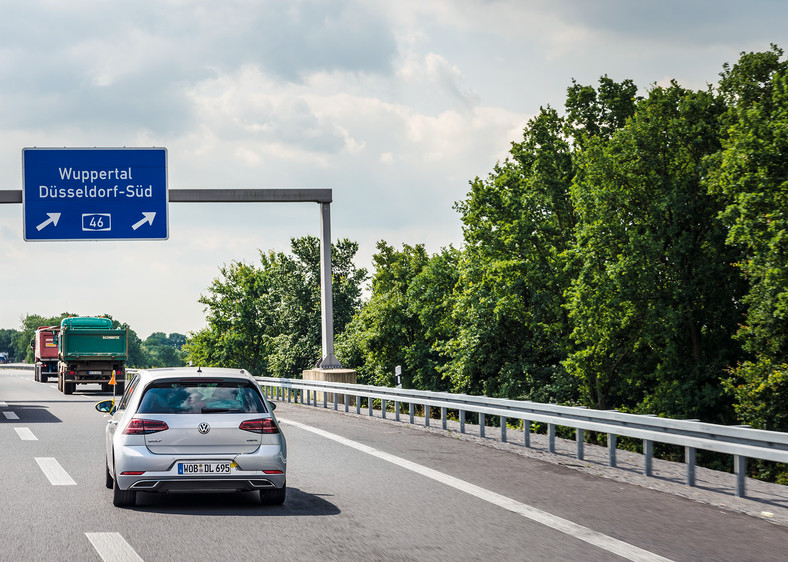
289,395
358,405
462,421
481,425
336,397
443,417
740,468
427,414
690,457
383,409
503,429
396,410
527,434
370,405
412,412
580,438
648,456
611,448
551,437
347,402
314,398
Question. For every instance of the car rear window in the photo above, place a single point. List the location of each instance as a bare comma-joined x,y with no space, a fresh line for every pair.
210,397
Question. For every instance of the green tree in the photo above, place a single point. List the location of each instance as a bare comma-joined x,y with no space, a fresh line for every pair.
7,337
162,350
752,174
267,319
600,112
404,320
653,305
517,225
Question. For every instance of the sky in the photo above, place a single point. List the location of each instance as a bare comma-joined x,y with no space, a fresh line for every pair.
395,106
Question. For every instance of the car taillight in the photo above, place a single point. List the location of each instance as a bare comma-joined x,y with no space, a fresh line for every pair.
265,425
138,426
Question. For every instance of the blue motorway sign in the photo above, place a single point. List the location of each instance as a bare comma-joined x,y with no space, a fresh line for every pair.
95,193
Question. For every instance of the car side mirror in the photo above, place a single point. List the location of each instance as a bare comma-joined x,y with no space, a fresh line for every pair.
106,406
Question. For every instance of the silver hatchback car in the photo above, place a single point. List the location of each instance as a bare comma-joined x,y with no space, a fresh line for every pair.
193,429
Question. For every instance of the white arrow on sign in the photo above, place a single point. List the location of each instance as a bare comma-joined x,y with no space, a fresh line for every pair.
53,218
148,219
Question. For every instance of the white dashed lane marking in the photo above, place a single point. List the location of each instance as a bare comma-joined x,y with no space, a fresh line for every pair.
25,434
10,415
112,547
56,474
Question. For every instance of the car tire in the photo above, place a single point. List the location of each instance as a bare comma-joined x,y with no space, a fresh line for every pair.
123,498
273,497
110,482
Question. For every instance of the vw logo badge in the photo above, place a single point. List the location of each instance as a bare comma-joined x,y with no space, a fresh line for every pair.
203,428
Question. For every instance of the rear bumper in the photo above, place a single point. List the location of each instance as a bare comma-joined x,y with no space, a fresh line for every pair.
160,472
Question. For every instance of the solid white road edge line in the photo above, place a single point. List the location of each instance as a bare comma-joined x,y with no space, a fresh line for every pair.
112,547
56,474
25,434
605,542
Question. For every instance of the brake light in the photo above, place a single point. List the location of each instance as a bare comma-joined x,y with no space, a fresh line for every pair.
264,425
132,473
139,426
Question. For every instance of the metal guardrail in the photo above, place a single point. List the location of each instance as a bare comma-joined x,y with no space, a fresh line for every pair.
740,441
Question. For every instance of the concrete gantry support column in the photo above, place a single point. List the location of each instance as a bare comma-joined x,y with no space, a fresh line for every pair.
329,360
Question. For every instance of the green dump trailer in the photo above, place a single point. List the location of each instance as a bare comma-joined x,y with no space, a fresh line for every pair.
89,351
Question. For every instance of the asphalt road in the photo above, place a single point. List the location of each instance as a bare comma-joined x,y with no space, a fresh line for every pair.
358,489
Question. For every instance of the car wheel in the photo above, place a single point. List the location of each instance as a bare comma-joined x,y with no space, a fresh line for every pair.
123,498
273,497
110,481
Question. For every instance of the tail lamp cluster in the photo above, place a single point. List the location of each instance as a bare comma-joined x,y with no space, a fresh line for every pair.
140,426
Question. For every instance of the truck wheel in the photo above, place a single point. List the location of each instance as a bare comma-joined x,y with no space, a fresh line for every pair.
123,498
68,387
42,377
120,387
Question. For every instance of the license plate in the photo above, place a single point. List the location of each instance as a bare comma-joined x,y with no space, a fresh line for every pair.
203,468
95,373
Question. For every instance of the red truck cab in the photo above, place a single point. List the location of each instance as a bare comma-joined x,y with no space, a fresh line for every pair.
45,349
